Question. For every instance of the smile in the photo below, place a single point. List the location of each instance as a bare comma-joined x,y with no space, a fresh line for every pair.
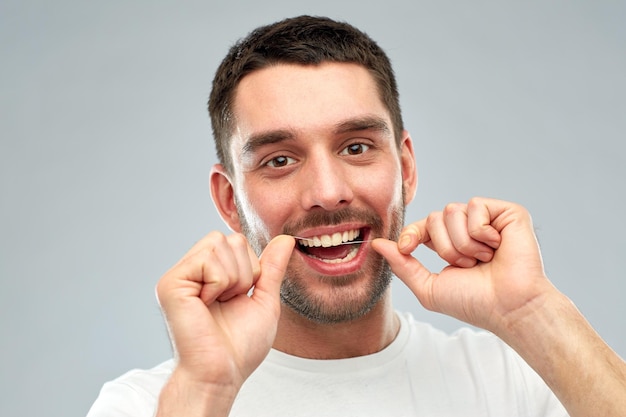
333,248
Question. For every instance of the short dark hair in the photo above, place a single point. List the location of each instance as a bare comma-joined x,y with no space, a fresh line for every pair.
304,40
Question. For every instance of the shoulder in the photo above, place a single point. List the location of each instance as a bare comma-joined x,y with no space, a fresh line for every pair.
465,340
134,393
465,350
475,363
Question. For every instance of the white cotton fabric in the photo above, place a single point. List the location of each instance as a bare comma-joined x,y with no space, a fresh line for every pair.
423,372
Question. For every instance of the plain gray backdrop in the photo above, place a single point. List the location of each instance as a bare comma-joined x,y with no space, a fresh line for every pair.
106,151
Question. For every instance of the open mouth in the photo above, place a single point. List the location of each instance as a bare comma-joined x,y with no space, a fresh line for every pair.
334,248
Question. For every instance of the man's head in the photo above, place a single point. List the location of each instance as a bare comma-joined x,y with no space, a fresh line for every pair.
303,40
316,151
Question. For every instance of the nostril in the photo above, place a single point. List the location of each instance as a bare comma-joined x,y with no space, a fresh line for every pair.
326,187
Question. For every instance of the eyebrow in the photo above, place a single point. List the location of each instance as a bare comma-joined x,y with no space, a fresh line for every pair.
258,140
374,123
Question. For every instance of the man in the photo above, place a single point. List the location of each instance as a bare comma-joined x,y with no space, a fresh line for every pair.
291,315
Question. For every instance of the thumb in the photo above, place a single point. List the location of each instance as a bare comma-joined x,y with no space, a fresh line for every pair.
274,260
411,271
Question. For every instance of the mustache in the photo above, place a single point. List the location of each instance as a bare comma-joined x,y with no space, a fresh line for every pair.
333,218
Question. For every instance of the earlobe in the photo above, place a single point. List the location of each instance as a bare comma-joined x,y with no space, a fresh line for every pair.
409,168
223,195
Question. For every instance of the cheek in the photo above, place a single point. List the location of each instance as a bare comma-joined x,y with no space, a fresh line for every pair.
383,190
266,208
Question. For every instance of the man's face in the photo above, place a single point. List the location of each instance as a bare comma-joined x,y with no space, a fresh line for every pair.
315,157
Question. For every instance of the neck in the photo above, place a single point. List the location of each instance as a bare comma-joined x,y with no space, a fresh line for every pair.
368,334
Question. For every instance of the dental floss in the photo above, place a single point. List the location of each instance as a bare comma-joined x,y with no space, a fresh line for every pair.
342,243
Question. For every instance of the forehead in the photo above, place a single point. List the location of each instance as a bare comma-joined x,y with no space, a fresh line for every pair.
312,98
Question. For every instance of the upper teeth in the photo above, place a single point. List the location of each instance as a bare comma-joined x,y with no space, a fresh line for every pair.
327,241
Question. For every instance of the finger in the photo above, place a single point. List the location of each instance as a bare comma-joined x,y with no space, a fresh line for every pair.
410,271
412,236
204,257
441,242
455,219
273,262
479,218
208,270
222,270
199,266
246,265
216,284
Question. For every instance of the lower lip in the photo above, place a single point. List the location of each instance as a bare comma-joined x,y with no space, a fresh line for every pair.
341,268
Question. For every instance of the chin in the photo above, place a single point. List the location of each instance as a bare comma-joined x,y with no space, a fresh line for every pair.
338,298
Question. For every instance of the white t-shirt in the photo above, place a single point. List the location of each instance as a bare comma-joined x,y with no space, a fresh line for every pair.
423,372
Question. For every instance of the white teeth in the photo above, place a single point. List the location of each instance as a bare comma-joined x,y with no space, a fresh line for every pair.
326,241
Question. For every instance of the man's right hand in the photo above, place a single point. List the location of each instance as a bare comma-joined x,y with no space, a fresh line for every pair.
220,334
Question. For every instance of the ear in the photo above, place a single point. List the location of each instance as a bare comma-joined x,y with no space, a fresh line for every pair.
223,195
409,168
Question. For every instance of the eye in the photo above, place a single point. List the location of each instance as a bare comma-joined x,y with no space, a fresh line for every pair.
280,161
355,149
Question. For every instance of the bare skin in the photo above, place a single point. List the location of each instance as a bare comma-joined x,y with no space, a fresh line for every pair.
496,281
495,278
220,335
540,322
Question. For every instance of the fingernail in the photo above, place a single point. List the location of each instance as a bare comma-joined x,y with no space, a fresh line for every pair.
484,256
404,242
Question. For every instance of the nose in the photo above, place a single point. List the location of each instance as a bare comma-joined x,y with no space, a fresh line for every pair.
326,184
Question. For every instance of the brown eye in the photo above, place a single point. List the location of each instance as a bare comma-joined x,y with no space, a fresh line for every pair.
280,161
355,149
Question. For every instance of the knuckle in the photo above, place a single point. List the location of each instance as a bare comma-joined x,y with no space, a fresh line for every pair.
522,210
433,218
449,254
204,256
215,238
238,241
216,284
453,208
215,235
465,246
475,231
475,202
220,283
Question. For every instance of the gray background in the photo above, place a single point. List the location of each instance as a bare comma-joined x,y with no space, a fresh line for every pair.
106,151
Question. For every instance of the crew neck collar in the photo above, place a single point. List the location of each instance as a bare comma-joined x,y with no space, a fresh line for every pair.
278,358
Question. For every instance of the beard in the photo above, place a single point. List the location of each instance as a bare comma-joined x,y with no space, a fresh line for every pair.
341,301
